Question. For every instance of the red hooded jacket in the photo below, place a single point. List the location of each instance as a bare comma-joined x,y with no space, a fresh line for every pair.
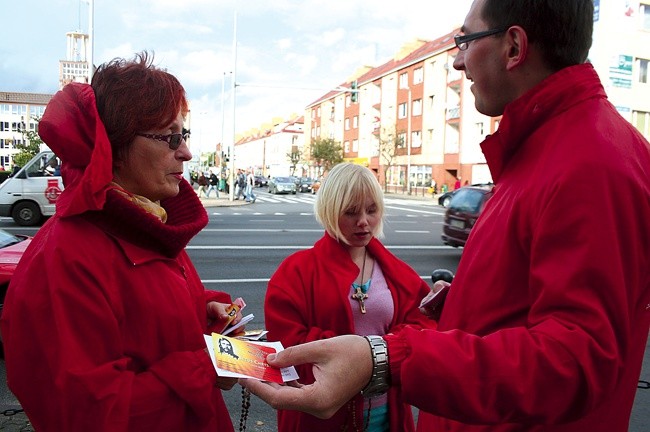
103,322
547,318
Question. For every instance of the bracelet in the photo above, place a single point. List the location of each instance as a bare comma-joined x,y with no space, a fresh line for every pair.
380,379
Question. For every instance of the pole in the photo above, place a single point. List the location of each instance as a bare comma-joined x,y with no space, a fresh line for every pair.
408,145
223,90
91,37
234,104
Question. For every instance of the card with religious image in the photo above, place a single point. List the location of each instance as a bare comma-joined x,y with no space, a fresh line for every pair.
238,358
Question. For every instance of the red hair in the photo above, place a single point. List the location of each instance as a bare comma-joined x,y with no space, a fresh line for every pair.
135,96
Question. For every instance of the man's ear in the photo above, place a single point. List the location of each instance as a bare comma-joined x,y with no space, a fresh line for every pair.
517,46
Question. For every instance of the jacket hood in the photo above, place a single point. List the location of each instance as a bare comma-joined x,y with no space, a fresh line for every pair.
71,127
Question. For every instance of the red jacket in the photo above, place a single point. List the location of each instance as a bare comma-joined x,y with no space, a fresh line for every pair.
546,322
103,322
308,299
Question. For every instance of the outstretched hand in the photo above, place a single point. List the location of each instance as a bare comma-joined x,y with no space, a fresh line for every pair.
342,366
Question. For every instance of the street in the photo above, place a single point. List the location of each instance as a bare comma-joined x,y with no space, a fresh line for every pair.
242,246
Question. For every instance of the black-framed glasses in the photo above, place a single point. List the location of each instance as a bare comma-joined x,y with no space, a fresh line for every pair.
173,140
462,41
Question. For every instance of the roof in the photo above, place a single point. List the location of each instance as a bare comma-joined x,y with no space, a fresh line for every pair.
25,98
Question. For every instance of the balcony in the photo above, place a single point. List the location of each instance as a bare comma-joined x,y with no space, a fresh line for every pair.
453,113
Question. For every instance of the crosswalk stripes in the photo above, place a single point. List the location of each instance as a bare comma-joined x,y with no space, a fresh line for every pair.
290,199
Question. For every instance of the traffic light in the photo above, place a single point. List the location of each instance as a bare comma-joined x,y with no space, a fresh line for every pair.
354,97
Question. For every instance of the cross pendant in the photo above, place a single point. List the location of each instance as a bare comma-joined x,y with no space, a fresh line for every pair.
360,296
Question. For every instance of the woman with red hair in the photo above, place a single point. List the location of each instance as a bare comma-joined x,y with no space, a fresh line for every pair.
103,323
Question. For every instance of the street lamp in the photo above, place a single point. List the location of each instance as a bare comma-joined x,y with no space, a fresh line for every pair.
408,143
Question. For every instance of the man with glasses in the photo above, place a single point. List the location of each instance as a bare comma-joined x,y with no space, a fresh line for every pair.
546,321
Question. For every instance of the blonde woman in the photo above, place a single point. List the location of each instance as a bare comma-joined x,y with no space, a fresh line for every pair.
347,283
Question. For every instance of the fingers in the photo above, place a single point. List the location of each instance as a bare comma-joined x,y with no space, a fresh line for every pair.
289,397
225,383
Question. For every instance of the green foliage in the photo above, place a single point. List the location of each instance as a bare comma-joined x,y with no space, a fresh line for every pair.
30,148
326,152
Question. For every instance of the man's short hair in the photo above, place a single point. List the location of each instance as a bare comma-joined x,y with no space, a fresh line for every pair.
561,29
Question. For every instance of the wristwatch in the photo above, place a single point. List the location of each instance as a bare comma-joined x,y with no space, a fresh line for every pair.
380,379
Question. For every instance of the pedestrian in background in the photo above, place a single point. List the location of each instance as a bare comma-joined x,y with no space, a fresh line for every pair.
348,283
240,185
104,319
213,184
547,319
203,184
250,184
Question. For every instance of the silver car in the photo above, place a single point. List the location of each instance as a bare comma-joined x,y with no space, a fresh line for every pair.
282,185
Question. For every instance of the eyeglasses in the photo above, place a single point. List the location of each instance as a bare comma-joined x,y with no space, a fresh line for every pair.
173,140
462,41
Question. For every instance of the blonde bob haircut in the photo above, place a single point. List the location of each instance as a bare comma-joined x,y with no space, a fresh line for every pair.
345,189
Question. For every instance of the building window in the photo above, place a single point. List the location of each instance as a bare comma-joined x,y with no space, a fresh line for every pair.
416,139
404,80
643,70
421,175
347,123
318,112
641,120
355,145
645,10
401,140
355,122
401,110
346,147
418,75
479,128
417,107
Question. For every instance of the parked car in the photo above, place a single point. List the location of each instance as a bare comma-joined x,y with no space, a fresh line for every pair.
446,197
305,184
261,181
282,185
315,186
464,209
11,250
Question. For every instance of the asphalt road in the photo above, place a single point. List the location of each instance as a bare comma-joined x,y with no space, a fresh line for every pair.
242,246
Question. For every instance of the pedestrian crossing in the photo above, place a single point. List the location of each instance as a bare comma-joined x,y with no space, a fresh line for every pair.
307,198
290,199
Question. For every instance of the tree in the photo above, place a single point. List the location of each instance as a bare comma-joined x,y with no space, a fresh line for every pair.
389,142
326,152
295,156
30,146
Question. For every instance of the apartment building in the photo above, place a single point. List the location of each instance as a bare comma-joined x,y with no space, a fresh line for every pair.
266,150
18,113
414,116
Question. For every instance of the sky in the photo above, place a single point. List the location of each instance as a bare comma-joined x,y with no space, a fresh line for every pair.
289,53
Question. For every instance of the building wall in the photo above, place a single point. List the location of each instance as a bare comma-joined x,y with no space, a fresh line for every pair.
18,112
451,127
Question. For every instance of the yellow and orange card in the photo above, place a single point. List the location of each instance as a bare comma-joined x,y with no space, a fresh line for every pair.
246,359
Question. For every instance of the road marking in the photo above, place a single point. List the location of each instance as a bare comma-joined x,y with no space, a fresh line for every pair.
262,247
231,281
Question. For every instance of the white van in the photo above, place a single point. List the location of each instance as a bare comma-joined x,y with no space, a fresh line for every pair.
31,193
